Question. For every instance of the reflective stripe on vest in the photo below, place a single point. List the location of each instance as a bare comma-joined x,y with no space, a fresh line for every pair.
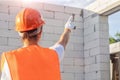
33,63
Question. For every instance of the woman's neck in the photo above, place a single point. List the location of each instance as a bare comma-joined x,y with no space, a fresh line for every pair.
27,43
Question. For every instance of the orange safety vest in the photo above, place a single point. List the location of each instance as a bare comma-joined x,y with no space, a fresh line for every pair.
33,63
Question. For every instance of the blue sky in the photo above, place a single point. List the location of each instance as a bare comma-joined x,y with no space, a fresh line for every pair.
114,23
114,19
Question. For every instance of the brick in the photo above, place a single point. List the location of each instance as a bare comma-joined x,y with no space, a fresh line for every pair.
72,10
50,37
62,16
90,60
104,66
86,53
91,76
103,75
14,42
3,41
79,25
68,61
67,76
103,19
68,69
4,17
102,58
94,51
12,17
104,49
73,69
11,25
86,24
97,67
9,33
4,3
78,62
104,42
106,34
89,30
79,76
59,30
103,27
53,22
6,48
77,46
76,39
94,18
48,29
94,67
14,10
77,32
87,69
78,18
91,37
11,3
51,7
4,33
7,3
89,45
15,3
70,46
46,43
3,9
73,54
13,34
87,13
3,24
47,14
53,29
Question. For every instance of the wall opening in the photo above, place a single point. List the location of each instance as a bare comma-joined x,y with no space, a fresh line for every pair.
114,39
114,26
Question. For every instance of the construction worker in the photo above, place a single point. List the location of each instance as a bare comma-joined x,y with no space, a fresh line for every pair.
33,62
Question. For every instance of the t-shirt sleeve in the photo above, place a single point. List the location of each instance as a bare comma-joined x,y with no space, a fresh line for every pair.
59,49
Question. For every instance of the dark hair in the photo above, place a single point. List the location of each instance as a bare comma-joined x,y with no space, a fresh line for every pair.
27,34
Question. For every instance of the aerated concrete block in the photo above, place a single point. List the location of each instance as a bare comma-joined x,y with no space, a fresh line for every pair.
51,7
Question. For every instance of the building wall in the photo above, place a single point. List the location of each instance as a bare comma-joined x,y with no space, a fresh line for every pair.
96,50
55,16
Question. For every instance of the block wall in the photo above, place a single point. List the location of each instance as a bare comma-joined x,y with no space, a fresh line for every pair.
55,16
96,46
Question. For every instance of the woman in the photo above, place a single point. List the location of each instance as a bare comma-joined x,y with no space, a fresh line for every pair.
33,62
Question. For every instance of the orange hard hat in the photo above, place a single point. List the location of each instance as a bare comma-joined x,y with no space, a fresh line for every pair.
28,19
